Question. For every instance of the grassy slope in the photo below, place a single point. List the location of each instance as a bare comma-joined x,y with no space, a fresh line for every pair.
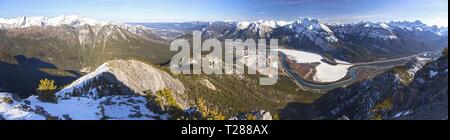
234,94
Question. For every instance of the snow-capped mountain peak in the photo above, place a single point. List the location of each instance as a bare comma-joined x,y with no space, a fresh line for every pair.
419,26
315,31
70,20
309,24
73,20
261,23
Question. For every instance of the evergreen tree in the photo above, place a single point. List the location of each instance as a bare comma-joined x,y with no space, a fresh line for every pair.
46,91
208,113
445,52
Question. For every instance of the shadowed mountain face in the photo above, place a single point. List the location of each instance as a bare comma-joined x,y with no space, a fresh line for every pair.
84,47
20,75
12,76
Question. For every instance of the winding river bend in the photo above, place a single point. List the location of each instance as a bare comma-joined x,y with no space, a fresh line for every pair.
323,87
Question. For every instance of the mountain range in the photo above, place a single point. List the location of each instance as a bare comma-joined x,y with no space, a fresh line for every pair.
357,42
112,70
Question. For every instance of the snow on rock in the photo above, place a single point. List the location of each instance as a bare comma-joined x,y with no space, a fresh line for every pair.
259,115
267,23
91,102
79,108
378,30
403,113
419,26
262,28
13,111
415,65
79,83
243,25
433,73
313,30
325,72
71,20
128,108
75,108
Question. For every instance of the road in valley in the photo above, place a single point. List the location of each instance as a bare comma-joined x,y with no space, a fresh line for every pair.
323,87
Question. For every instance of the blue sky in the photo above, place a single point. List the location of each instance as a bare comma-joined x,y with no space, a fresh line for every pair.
344,11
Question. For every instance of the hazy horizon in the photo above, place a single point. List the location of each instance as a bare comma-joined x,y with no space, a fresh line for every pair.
431,12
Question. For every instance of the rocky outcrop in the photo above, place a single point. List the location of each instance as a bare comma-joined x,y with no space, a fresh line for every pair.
125,77
208,84
255,115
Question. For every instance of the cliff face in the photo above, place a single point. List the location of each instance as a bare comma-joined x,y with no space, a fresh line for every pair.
427,96
125,77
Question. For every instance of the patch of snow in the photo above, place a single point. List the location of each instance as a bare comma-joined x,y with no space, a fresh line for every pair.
433,73
128,108
384,26
13,112
82,81
403,113
325,72
77,108
81,108
243,25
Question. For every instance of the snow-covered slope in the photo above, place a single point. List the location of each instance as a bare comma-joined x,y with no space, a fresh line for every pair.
313,30
261,23
114,91
252,29
78,108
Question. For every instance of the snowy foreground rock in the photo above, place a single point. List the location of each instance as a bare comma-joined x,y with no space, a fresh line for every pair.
78,108
114,91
